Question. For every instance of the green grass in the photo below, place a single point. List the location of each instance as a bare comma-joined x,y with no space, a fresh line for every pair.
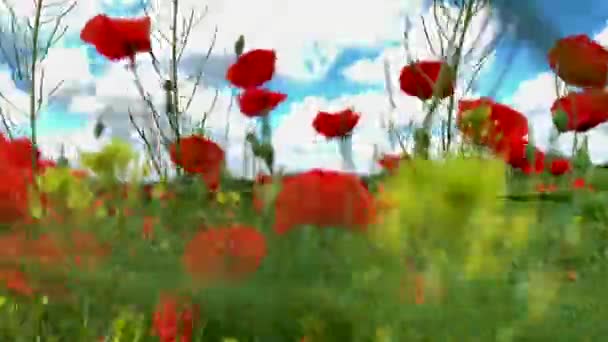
308,284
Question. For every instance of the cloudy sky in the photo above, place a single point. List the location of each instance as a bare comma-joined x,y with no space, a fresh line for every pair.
331,55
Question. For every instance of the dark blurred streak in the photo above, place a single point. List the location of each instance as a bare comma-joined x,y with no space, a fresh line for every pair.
525,26
528,23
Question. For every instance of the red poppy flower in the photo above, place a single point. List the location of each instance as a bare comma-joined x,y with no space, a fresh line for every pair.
16,281
18,153
541,188
560,166
79,247
199,155
580,111
546,188
118,38
324,198
581,184
255,102
83,248
490,124
14,194
390,162
336,125
231,253
12,248
517,154
47,250
44,250
172,319
580,61
252,69
420,79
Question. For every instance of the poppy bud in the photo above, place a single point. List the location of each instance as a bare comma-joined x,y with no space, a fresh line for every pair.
560,121
265,152
99,128
239,46
252,139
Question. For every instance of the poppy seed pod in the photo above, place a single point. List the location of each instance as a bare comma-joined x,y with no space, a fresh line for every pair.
560,121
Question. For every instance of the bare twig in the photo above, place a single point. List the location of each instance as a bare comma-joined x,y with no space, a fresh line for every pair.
149,147
476,70
24,61
211,108
147,98
6,125
392,106
177,41
200,71
429,41
173,76
33,113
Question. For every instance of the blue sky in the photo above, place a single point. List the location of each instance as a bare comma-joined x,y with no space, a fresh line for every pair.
326,59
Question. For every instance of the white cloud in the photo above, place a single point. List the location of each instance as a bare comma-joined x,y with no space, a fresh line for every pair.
17,110
301,34
85,104
73,142
69,66
602,36
535,95
365,71
118,82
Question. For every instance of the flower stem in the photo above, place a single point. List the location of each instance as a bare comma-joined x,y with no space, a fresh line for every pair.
346,150
266,130
33,114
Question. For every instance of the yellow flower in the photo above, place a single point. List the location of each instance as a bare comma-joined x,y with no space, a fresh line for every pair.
61,183
112,161
228,198
221,198
235,197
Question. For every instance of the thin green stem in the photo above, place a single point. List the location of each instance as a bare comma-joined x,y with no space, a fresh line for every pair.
174,115
33,109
